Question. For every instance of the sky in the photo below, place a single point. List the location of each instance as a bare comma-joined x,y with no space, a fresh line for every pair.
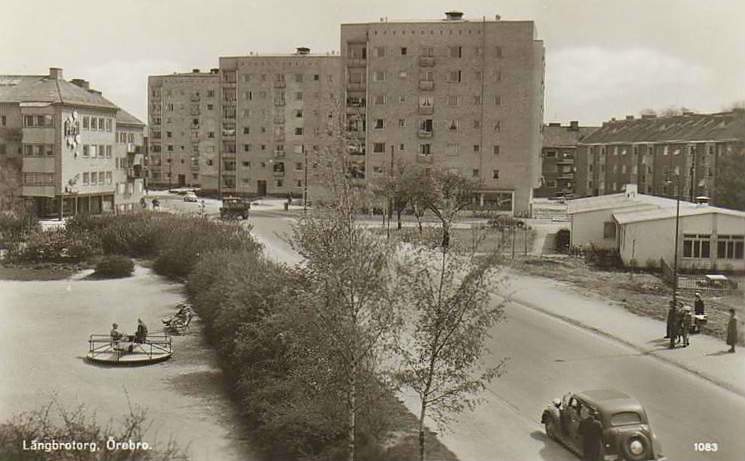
604,58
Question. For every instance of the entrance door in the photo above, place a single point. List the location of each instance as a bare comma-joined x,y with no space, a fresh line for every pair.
181,180
261,188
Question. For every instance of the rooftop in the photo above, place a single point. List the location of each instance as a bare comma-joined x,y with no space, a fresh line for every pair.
621,200
680,128
125,118
49,89
626,217
556,136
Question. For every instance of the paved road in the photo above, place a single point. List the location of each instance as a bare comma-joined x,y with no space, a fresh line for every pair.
549,357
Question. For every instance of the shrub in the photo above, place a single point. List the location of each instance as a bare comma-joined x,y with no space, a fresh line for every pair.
56,246
114,266
55,422
15,227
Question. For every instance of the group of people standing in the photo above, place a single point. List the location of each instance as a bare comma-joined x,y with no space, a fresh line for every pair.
681,322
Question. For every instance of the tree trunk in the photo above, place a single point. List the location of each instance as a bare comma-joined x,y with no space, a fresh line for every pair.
398,212
421,430
351,409
445,235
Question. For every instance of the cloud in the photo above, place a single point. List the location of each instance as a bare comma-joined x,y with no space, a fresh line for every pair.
585,79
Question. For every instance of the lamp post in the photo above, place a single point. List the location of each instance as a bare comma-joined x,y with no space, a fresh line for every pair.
675,251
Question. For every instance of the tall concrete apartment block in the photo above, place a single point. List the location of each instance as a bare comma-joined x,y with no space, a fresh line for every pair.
276,110
184,121
452,93
68,149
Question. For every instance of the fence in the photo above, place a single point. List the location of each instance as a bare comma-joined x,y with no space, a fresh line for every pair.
694,282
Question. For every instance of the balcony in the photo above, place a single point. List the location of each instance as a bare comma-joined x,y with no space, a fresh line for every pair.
228,154
279,119
279,154
426,85
194,127
356,86
424,134
357,62
356,102
194,98
279,102
280,85
426,61
426,110
566,161
358,134
228,133
424,158
194,111
195,167
131,148
136,172
279,174
279,137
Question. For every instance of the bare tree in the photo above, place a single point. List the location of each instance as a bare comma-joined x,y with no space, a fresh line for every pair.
446,193
452,315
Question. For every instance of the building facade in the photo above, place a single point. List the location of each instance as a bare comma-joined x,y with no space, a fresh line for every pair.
451,93
184,125
60,139
129,152
557,159
663,156
276,112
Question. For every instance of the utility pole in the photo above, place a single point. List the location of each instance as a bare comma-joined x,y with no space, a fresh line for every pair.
675,256
305,182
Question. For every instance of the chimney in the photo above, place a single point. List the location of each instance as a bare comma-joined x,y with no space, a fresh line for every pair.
81,83
629,117
453,15
574,125
195,71
55,73
497,17
302,50
214,70
702,200
554,124
631,190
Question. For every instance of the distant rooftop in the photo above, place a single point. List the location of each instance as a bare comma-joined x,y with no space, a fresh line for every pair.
680,128
49,89
555,135
450,17
125,118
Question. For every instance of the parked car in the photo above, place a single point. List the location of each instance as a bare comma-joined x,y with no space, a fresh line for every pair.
190,197
627,433
504,221
234,208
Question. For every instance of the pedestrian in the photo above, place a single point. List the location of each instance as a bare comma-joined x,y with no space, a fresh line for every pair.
732,330
698,305
685,325
670,319
591,430
673,324
141,333
143,203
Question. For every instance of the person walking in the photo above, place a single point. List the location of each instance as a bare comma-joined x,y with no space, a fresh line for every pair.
698,305
591,431
685,325
732,330
670,319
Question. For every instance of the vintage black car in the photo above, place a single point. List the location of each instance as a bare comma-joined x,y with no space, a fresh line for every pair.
627,434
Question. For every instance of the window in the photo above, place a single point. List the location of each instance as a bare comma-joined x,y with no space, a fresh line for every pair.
247,148
379,76
550,154
379,51
298,96
108,151
476,147
497,100
298,131
477,124
609,230
425,149
455,51
379,100
3,120
696,246
428,51
498,52
378,123
403,51
94,178
402,123
94,123
108,177
86,179
495,174
378,147
477,100
299,148
426,125
479,75
298,113
496,150
298,166
453,100
427,76
86,122
730,246
452,150
453,76
299,78
402,147
475,173
452,125
425,101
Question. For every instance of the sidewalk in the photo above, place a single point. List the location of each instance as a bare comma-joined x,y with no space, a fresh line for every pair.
706,357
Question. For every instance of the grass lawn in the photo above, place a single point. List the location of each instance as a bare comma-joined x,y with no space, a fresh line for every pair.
640,293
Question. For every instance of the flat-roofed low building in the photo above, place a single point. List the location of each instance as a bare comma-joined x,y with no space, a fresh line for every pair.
642,229
60,136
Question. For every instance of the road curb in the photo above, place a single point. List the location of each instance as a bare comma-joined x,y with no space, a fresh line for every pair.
647,352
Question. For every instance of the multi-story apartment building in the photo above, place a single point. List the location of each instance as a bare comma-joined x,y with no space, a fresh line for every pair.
60,139
657,153
558,169
276,110
452,93
184,122
129,151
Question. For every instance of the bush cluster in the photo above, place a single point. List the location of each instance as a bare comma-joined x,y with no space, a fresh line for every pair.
15,227
114,266
256,315
56,246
